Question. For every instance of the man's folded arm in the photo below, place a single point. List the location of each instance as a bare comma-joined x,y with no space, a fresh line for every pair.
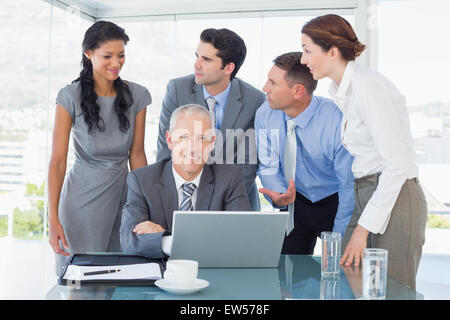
134,212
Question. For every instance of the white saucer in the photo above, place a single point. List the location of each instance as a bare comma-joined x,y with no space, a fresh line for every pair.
171,287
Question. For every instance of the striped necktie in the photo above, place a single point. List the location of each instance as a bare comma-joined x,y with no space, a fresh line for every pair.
290,157
188,191
211,102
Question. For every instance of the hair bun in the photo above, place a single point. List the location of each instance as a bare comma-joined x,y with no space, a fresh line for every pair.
358,48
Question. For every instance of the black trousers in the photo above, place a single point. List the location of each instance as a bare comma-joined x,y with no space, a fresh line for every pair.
310,219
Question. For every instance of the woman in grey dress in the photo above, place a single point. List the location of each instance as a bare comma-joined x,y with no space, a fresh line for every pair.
106,117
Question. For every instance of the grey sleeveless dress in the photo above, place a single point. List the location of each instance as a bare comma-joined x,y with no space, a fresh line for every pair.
95,188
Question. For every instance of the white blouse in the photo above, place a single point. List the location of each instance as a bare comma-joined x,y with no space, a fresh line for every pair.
375,130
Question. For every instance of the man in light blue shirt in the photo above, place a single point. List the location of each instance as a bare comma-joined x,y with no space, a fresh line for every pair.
322,191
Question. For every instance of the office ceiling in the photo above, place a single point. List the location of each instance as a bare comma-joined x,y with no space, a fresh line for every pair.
134,8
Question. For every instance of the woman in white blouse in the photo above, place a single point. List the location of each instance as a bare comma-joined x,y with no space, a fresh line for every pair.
390,207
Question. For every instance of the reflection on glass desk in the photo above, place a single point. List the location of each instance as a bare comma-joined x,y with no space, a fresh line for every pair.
297,277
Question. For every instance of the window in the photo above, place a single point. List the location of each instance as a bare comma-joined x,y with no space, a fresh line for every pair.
41,54
413,54
23,113
149,62
39,60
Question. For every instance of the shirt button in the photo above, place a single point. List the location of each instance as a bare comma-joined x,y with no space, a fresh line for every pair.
307,185
302,166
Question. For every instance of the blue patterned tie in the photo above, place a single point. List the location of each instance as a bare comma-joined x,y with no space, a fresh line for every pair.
188,190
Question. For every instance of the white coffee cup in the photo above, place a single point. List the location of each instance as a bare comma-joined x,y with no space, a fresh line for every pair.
181,272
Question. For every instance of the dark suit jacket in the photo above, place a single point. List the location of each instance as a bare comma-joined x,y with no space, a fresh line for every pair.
242,103
152,195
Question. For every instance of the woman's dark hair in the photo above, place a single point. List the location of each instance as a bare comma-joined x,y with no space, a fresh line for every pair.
99,33
332,30
231,47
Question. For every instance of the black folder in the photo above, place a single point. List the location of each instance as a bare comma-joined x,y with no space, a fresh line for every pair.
110,260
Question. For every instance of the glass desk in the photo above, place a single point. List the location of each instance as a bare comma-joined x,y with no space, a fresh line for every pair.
297,277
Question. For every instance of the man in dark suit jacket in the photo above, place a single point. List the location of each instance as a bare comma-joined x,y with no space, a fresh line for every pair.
182,182
220,54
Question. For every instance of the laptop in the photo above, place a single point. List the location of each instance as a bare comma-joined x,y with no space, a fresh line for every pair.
229,239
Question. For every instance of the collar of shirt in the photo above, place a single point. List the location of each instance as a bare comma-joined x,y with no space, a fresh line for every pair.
305,117
339,93
221,98
179,181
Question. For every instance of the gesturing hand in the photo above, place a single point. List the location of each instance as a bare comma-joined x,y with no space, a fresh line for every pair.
281,199
147,227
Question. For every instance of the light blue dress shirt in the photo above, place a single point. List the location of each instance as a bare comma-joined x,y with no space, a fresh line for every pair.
221,102
323,165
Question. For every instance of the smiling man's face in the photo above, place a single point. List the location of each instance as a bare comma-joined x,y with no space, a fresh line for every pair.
191,141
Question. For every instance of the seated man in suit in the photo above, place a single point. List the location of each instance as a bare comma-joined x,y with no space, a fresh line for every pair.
232,102
181,182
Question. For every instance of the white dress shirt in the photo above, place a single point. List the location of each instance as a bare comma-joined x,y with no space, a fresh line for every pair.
179,181
375,130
